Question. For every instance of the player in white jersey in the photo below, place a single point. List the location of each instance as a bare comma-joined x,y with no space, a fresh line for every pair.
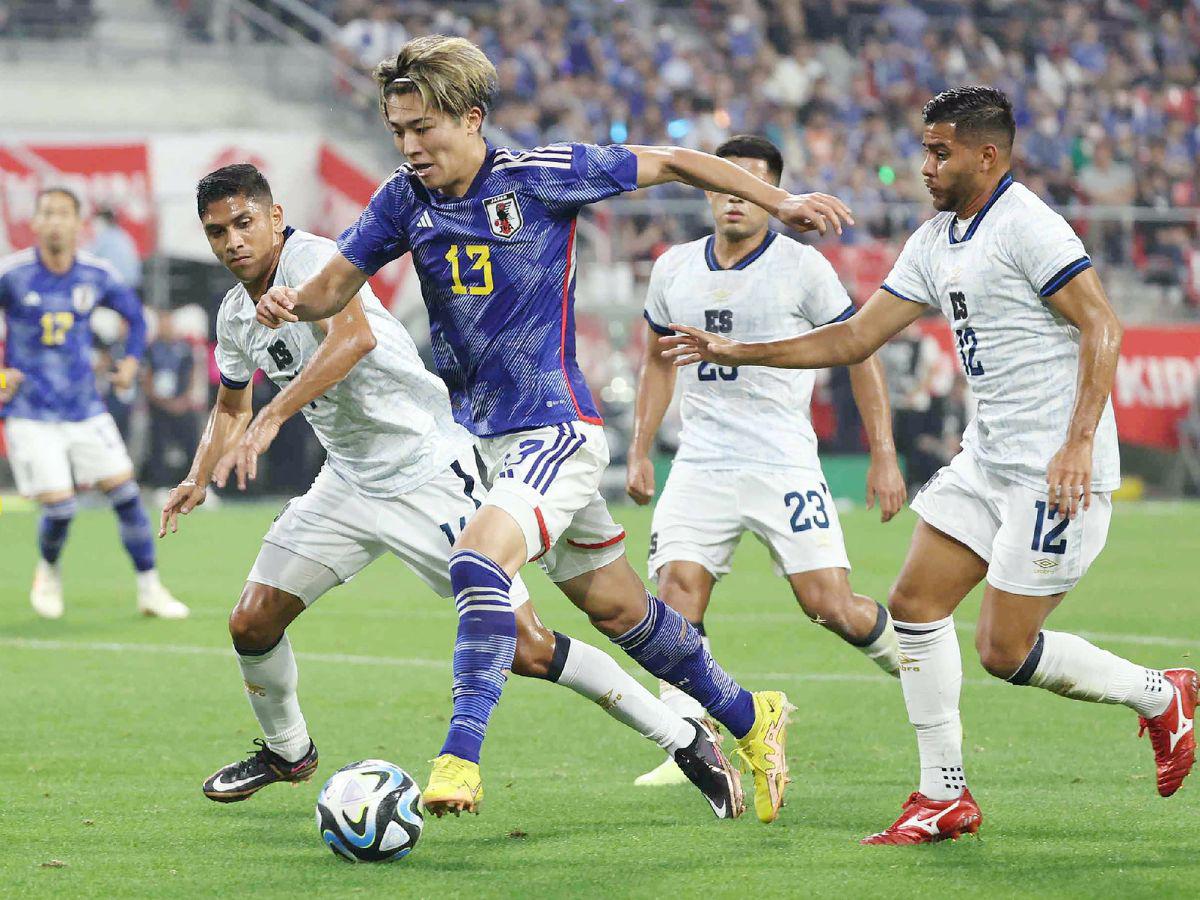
1026,504
748,454
399,477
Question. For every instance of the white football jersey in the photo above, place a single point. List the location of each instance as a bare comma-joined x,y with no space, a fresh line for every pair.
992,281
752,416
387,426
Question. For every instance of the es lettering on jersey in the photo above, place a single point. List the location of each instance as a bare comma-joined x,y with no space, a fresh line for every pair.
386,427
497,272
49,333
750,417
992,280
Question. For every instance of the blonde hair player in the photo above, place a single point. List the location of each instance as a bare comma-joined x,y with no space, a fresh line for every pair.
1026,504
491,231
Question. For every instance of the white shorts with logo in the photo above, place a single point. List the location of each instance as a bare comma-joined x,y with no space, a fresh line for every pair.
342,531
1030,549
51,457
548,480
702,514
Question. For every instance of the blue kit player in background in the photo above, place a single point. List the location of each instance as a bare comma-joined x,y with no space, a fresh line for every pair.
492,236
59,433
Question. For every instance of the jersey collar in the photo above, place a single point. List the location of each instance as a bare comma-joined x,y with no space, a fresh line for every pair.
1004,185
710,253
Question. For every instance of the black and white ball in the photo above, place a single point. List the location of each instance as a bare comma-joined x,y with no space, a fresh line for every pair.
369,811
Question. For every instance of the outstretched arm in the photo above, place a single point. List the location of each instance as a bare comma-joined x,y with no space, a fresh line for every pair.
804,212
321,296
840,344
1083,303
225,425
655,387
348,338
884,480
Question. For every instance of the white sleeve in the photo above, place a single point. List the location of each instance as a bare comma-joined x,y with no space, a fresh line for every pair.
1047,251
304,260
656,314
907,279
235,367
824,300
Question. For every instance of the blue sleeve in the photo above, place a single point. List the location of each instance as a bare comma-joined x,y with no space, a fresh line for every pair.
593,174
4,293
121,298
377,237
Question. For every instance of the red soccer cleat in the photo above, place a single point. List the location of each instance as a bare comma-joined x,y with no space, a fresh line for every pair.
1173,733
926,821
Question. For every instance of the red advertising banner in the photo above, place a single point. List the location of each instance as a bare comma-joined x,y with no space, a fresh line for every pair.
108,174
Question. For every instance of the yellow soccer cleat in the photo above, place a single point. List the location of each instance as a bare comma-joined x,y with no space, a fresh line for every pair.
762,751
455,785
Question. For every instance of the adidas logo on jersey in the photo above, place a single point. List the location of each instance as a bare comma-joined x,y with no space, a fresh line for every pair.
426,220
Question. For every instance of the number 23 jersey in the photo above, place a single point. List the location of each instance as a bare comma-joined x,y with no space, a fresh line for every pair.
993,280
386,427
497,271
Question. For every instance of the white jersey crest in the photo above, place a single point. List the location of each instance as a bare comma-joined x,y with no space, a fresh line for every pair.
992,281
751,417
387,426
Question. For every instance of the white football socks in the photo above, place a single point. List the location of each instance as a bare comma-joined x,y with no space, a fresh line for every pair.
597,676
271,688
883,650
931,677
1071,667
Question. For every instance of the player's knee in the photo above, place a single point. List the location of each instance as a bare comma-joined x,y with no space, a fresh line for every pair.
999,658
827,606
906,604
535,651
682,592
257,623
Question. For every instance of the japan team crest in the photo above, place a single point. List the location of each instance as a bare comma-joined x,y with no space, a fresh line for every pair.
83,298
504,214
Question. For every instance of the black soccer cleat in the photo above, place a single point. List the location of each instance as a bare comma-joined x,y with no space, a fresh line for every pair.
264,766
706,767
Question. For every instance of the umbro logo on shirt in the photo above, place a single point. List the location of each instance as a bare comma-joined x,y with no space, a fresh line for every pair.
426,220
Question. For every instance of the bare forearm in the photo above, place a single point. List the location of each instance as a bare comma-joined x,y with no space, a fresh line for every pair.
832,345
329,291
655,388
1099,350
711,173
224,428
871,397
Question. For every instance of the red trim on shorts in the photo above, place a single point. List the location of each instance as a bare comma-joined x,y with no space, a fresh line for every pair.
620,537
562,351
545,534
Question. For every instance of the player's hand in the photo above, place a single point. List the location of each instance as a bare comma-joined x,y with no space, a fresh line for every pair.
275,307
639,479
125,372
244,457
10,380
814,212
692,345
183,499
1069,477
885,483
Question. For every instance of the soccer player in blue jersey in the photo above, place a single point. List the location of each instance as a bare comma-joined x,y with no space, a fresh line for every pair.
59,434
492,235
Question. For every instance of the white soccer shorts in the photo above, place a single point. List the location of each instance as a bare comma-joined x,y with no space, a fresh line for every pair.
702,514
1030,549
548,480
344,531
52,457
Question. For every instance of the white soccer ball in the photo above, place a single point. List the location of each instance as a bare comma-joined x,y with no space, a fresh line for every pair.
369,811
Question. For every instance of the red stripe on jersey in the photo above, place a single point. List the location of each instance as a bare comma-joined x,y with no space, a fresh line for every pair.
544,533
562,353
620,537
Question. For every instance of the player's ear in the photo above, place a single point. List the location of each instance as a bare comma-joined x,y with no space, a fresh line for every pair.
989,156
277,218
474,120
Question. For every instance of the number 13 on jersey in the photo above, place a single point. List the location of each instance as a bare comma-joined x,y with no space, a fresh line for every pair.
480,258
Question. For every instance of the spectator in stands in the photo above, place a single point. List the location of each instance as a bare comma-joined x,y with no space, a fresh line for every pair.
372,34
115,245
169,374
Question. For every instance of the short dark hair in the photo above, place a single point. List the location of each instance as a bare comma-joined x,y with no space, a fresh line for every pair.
977,113
237,180
751,146
59,189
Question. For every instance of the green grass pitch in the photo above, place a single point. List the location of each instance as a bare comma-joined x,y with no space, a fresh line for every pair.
109,723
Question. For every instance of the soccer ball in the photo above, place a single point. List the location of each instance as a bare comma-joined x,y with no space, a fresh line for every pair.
369,811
